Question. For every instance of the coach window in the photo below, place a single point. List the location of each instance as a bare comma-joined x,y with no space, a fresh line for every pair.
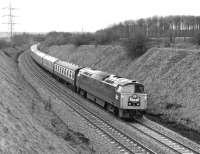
70,74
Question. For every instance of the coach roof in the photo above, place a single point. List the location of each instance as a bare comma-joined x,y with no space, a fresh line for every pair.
67,64
50,58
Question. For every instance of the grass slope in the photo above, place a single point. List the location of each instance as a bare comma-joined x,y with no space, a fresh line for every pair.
19,131
171,76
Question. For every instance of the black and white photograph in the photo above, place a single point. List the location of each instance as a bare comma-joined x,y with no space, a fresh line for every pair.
99,77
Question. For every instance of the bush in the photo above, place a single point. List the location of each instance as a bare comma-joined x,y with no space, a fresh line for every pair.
57,38
82,39
105,37
4,44
136,45
22,39
39,38
196,38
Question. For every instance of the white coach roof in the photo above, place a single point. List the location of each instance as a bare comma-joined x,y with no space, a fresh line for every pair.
67,64
50,58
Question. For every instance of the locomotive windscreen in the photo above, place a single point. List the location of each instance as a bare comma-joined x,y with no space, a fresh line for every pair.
139,88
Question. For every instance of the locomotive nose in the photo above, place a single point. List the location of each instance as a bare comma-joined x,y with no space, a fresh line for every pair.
134,100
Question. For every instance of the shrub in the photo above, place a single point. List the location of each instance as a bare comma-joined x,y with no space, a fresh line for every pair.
39,38
105,37
136,45
4,44
82,39
196,38
22,39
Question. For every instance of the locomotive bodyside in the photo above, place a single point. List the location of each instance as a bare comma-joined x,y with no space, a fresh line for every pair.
119,95
89,81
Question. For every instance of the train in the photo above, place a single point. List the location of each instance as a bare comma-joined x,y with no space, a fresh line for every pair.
123,97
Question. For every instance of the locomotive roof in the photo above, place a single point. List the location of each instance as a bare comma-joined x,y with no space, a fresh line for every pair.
116,80
67,64
39,53
107,78
96,74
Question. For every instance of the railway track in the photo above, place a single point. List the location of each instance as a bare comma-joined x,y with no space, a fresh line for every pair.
125,142
171,138
162,138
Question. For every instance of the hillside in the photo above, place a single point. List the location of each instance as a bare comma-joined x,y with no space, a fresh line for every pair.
171,76
19,131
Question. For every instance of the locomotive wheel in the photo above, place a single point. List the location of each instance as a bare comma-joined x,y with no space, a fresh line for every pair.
78,90
112,109
83,93
120,113
116,112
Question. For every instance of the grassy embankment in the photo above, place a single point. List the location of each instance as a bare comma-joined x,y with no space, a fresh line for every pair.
27,126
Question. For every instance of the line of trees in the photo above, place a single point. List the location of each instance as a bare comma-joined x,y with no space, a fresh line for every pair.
154,27
135,35
170,26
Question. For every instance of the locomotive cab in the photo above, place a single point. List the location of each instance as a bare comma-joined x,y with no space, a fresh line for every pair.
131,96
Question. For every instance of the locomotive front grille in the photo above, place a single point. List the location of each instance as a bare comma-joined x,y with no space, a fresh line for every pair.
134,101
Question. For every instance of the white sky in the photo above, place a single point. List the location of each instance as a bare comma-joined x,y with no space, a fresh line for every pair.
89,15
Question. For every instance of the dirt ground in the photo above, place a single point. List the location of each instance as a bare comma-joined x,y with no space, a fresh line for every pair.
171,76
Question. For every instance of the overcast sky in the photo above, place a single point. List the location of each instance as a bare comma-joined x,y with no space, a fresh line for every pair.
88,15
